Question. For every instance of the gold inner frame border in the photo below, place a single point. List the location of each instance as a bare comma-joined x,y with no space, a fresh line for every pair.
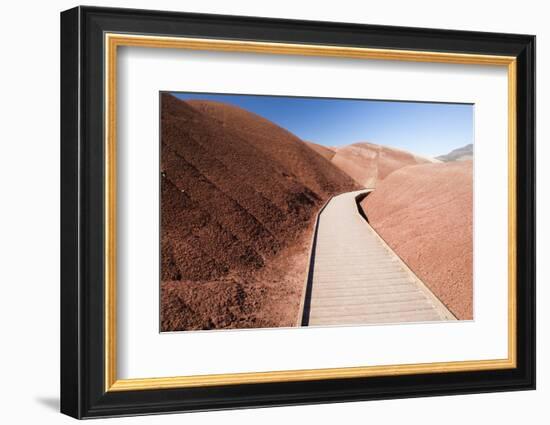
111,43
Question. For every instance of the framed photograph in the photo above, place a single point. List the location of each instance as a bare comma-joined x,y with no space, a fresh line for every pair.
261,212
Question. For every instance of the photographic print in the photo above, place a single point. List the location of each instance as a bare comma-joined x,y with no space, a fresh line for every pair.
289,211
233,185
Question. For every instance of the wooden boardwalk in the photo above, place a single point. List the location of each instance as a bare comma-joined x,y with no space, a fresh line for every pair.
355,278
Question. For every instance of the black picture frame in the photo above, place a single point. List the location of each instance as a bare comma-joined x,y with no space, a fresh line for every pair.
83,392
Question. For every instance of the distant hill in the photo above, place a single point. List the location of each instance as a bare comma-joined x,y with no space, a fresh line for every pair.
459,154
239,195
369,163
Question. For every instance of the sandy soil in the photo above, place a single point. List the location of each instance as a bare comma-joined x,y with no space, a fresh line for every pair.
270,297
424,213
239,195
368,163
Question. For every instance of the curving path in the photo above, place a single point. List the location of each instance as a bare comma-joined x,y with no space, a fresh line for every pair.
355,278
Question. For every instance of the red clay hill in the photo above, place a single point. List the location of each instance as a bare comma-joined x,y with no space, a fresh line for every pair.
325,151
424,213
239,196
368,163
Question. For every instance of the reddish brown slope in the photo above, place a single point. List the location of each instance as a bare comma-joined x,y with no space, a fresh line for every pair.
369,164
424,213
277,144
325,151
237,205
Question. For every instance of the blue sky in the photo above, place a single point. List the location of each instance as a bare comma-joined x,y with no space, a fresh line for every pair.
429,129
